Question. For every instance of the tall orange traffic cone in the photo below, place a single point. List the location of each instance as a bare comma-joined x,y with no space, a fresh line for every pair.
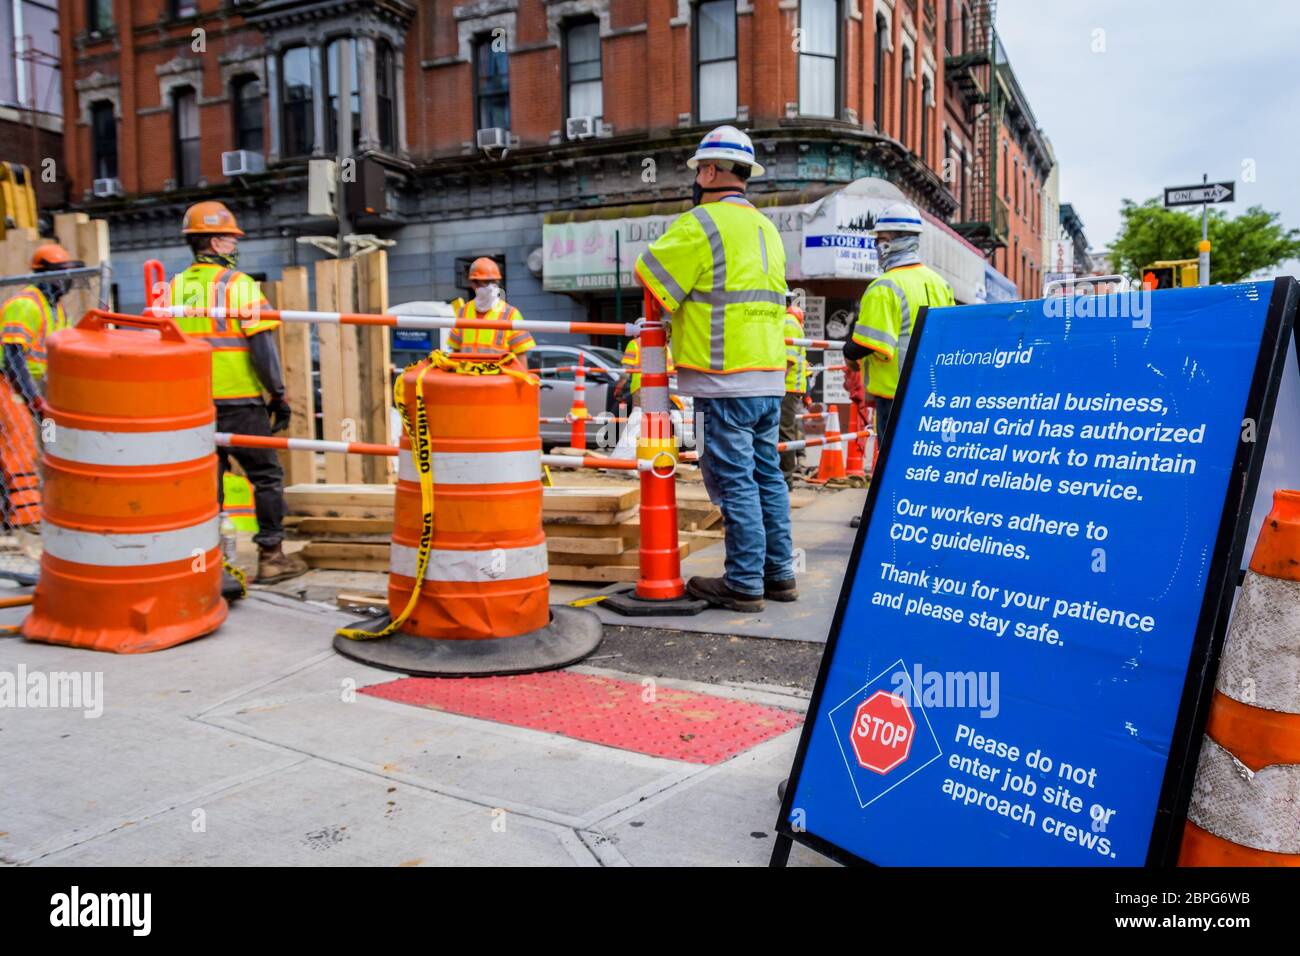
578,413
856,467
831,463
1244,803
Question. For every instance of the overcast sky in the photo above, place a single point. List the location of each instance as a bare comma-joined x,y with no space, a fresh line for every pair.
1182,88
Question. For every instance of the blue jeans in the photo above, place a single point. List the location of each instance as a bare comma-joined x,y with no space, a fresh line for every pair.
742,473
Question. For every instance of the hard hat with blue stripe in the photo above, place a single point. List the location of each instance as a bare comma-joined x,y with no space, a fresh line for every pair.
899,217
726,143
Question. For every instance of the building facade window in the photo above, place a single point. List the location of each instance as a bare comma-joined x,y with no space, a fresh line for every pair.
819,57
715,60
246,96
185,135
103,140
386,94
348,47
905,102
296,99
584,95
878,80
99,15
491,84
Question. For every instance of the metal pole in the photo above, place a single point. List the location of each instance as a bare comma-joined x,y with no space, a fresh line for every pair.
1203,266
618,276
344,128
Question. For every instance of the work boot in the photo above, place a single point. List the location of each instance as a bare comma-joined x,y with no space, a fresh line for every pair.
716,591
274,565
781,590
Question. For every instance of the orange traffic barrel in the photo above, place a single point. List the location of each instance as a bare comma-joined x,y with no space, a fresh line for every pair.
20,489
469,505
1243,809
131,556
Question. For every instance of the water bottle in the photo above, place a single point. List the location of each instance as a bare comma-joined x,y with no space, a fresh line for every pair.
228,540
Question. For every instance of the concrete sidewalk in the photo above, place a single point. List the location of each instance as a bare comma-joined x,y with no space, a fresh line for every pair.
251,747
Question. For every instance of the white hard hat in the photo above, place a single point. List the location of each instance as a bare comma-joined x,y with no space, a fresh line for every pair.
727,143
899,217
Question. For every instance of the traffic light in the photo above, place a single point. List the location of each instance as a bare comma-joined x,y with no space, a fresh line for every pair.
1158,278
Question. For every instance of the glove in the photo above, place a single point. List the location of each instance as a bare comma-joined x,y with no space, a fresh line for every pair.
280,414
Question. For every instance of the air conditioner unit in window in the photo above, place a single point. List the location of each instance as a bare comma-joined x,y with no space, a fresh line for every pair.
580,127
494,137
106,188
241,162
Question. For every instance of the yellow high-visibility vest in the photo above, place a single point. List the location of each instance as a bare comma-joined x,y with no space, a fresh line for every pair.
237,502
205,285
632,359
796,357
516,341
27,322
887,319
720,271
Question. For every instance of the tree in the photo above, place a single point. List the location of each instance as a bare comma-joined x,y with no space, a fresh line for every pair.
1240,247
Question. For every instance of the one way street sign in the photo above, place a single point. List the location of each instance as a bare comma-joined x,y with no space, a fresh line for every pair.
1196,195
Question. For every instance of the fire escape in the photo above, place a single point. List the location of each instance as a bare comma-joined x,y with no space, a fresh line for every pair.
972,65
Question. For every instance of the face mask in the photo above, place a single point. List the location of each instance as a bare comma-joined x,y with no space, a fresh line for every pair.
486,296
697,193
900,251
53,291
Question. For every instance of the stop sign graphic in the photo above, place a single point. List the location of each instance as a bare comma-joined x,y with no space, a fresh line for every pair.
882,732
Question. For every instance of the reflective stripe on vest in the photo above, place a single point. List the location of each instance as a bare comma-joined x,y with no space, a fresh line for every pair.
731,321
493,564
132,549
484,340
207,285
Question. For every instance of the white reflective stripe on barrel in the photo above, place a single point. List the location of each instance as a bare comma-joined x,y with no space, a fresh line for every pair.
475,468
494,564
129,448
131,549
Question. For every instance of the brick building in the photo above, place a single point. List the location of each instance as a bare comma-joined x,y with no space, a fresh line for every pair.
484,126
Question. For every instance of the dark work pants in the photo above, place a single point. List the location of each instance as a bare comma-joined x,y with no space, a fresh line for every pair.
261,465
790,431
884,407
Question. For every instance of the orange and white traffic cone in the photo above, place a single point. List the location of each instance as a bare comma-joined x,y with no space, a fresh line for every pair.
856,467
831,463
1243,806
578,414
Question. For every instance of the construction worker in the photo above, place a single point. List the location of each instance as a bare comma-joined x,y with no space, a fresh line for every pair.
719,270
488,303
245,364
27,321
888,314
796,385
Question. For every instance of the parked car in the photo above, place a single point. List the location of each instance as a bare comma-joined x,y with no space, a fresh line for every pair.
605,383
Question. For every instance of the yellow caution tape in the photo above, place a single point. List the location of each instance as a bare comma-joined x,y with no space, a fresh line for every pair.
420,442
238,575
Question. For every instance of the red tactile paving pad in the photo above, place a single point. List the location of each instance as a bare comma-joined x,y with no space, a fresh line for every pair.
660,721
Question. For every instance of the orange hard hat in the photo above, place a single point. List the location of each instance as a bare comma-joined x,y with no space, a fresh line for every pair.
50,256
211,218
483,268
796,312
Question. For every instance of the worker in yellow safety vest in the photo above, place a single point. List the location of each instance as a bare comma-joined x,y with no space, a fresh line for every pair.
796,385
719,270
245,365
237,502
28,319
888,314
488,303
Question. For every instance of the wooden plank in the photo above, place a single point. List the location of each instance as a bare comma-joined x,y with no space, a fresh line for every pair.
629,531
589,517
299,389
558,544
346,557
339,526
375,386
338,373
355,512
589,499
628,559
348,495
66,231
600,573
361,602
